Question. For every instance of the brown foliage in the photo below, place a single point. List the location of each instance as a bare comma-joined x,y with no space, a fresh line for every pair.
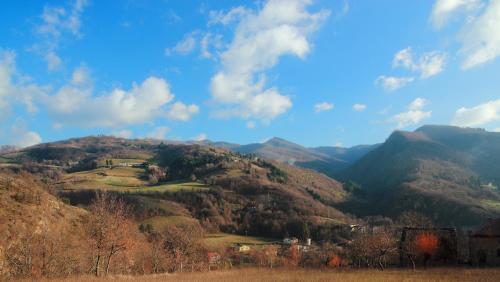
427,243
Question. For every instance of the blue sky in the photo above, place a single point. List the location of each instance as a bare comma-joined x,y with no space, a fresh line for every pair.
316,72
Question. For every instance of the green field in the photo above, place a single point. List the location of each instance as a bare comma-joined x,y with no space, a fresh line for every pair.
224,239
162,222
124,179
491,204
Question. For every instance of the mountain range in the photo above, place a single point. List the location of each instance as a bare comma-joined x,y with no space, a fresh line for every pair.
449,174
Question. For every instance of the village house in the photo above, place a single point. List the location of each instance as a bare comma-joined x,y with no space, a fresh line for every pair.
243,248
484,244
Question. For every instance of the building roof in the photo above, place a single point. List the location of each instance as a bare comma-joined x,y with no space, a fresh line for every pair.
490,229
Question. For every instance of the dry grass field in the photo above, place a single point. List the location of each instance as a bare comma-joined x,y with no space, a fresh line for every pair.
299,275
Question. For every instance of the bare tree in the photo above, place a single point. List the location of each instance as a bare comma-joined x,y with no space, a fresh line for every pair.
109,230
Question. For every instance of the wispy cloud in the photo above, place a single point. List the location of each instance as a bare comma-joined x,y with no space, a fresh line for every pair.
321,107
56,22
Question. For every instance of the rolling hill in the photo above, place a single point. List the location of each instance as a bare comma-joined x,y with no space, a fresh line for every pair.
221,190
448,173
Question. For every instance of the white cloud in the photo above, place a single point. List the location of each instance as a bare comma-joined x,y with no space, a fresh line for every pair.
338,144
219,17
496,130
158,133
54,62
391,83
184,47
14,87
57,22
325,106
414,115
359,107
444,10
429,64
261,38
480,33
417,104
181,111
250,124
480,37
124,133
22,137
81,76
478,115
200,137
75,104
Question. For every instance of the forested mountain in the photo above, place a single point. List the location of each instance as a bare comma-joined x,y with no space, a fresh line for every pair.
448,173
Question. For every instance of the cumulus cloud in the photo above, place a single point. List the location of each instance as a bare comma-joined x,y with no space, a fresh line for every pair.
181,111
260,39
479,115
391,83
325,106
359,107
57,22
414,115
426,65
158,133
75,104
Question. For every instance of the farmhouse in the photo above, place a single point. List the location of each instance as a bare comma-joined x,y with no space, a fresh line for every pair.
484,244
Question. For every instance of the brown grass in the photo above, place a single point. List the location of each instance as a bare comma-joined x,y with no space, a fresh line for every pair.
264,275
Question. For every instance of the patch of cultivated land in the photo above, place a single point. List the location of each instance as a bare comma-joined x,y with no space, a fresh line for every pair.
299,275
123,179
224,239
162,222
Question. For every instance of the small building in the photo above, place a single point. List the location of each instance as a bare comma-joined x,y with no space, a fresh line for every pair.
243,248
484,244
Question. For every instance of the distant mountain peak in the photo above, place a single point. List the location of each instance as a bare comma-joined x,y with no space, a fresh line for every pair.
276,141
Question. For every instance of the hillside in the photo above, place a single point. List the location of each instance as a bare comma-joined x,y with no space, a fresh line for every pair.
448,173
327,160
223,191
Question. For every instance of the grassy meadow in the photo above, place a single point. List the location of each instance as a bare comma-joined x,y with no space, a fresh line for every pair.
124,179
299,275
